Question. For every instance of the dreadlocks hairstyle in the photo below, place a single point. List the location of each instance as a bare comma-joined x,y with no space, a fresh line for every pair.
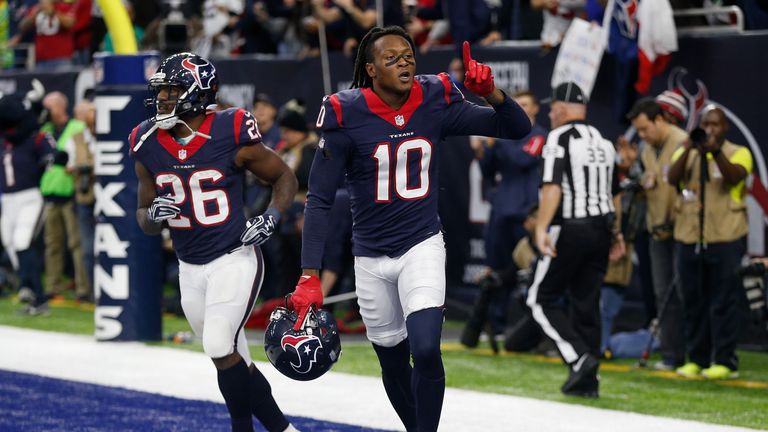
365,54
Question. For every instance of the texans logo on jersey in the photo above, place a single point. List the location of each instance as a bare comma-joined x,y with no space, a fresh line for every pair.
203,73
304,349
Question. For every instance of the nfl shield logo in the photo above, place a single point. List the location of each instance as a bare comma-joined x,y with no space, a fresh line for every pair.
399,120
182,154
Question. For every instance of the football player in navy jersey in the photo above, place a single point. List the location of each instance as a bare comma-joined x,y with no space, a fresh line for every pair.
190,161
384,134
25,154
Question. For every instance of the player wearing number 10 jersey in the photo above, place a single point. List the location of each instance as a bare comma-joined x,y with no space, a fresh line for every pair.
384,134
190,161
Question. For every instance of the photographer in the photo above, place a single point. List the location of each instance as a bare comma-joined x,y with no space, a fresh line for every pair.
662,140
82,146
710,230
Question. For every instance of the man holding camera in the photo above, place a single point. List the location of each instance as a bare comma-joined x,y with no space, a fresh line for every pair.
710,230
662,138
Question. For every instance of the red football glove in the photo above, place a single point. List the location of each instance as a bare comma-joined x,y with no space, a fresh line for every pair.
306,294
478,77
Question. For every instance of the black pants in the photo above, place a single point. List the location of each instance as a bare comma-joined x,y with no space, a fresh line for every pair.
501,237
712,321
577,272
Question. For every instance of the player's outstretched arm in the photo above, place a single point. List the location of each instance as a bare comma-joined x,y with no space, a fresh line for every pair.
146,203
504,120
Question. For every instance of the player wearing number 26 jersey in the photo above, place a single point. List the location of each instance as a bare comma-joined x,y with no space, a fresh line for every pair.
205,183
384,135
190,161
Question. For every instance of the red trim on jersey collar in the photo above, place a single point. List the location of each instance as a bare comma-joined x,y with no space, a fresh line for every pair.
175,149
381,109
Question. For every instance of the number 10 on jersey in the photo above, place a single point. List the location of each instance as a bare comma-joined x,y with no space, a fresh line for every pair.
388,171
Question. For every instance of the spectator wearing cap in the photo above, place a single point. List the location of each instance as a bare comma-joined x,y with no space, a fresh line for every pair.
661,139
297,148
673,106
265,113
297,144
576,232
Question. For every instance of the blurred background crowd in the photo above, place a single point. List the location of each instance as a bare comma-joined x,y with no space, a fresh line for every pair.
31,37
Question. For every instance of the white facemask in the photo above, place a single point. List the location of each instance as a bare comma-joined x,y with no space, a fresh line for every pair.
167,123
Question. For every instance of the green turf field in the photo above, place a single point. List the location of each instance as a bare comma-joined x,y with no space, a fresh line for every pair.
742,402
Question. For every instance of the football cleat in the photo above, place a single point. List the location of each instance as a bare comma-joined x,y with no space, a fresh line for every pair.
303,354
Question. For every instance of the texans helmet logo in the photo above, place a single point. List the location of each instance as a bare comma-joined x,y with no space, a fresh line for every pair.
304,349
202,73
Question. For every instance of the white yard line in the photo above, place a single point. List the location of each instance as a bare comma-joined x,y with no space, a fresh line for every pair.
334,397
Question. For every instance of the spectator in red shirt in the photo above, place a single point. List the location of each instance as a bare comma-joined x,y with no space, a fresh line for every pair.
53,21
81,32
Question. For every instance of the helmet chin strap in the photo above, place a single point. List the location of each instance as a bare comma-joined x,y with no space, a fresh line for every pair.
159,125
194,132
169,122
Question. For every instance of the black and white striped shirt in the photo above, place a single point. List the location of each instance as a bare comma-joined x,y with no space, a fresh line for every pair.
582,162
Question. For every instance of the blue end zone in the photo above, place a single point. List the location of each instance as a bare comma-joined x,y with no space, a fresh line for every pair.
35,403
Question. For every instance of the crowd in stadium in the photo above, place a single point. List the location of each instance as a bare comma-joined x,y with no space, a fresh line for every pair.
660,175
291,28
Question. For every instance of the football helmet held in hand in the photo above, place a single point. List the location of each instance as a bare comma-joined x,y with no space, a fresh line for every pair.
303,354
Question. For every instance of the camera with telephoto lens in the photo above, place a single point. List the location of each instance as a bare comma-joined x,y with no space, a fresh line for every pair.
698,137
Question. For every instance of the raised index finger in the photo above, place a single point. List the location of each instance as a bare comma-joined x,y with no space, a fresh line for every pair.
467,55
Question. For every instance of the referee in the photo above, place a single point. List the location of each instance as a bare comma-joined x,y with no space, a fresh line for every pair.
574,232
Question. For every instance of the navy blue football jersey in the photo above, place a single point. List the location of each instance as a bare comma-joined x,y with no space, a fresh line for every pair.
204,181
23,164
390,161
